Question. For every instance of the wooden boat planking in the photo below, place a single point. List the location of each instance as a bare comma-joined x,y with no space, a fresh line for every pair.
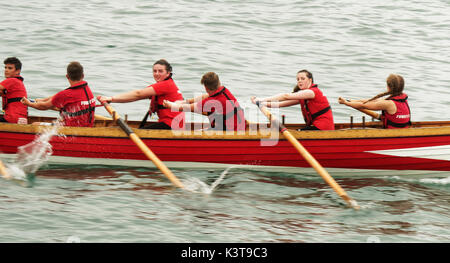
343,130
354,146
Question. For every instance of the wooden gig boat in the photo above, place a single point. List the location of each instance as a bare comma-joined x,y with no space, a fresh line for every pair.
351,149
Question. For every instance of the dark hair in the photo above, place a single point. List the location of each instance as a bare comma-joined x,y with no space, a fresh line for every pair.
164,63
308,75
396,84
75,71
210,80
15,61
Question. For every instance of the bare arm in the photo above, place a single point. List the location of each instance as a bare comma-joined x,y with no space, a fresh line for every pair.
285,99
129,96
280,104
44,99
301,95
180,106
40,105
386,105
198,98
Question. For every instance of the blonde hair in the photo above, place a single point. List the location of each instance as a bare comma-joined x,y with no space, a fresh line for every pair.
396,83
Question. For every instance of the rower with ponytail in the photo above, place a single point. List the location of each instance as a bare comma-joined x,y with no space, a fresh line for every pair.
395,111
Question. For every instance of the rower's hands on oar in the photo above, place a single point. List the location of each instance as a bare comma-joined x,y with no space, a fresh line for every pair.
254,99
25,101
104,99
168,104
342,101
310,159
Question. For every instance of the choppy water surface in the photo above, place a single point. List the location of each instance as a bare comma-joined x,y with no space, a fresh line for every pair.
256,47
114,204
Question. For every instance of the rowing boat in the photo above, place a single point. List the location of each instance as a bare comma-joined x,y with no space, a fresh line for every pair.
353,148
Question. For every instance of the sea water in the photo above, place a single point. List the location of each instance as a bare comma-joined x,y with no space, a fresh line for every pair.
256,47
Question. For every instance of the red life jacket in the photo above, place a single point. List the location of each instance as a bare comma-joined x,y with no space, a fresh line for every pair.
80,112
11,97
400,119
166,115
226,115
317,111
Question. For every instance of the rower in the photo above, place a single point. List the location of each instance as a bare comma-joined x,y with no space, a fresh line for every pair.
395,111
76,104
12,91
315,107
219,104
164,89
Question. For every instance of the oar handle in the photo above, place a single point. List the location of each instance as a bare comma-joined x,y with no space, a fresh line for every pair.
308,157
142,146
372,114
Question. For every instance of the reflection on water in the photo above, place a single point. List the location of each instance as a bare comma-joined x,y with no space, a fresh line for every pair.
104,204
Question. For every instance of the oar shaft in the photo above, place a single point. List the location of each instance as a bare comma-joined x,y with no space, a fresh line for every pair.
372,114
143,147
102,118
316,165
158,163
309,158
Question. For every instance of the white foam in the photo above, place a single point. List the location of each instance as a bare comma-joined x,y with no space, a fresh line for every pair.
441,181
197,186
33,155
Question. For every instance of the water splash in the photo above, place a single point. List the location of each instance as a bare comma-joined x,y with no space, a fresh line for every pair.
431,181
438,181
197,186
33,155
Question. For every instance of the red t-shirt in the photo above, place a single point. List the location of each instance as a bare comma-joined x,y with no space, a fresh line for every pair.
167,90
74,105
14,89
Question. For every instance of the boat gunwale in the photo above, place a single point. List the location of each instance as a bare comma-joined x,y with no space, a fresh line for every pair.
116,132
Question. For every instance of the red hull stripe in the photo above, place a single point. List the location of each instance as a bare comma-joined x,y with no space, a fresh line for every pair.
372,153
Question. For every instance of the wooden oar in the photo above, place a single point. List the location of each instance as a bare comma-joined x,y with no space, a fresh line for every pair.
4,172
102,118
150,155
372,114
309,158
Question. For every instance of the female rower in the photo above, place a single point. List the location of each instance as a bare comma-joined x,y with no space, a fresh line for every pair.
315,107
395,112
164,89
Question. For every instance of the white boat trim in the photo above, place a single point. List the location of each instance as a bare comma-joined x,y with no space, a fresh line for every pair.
335,172
441,152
